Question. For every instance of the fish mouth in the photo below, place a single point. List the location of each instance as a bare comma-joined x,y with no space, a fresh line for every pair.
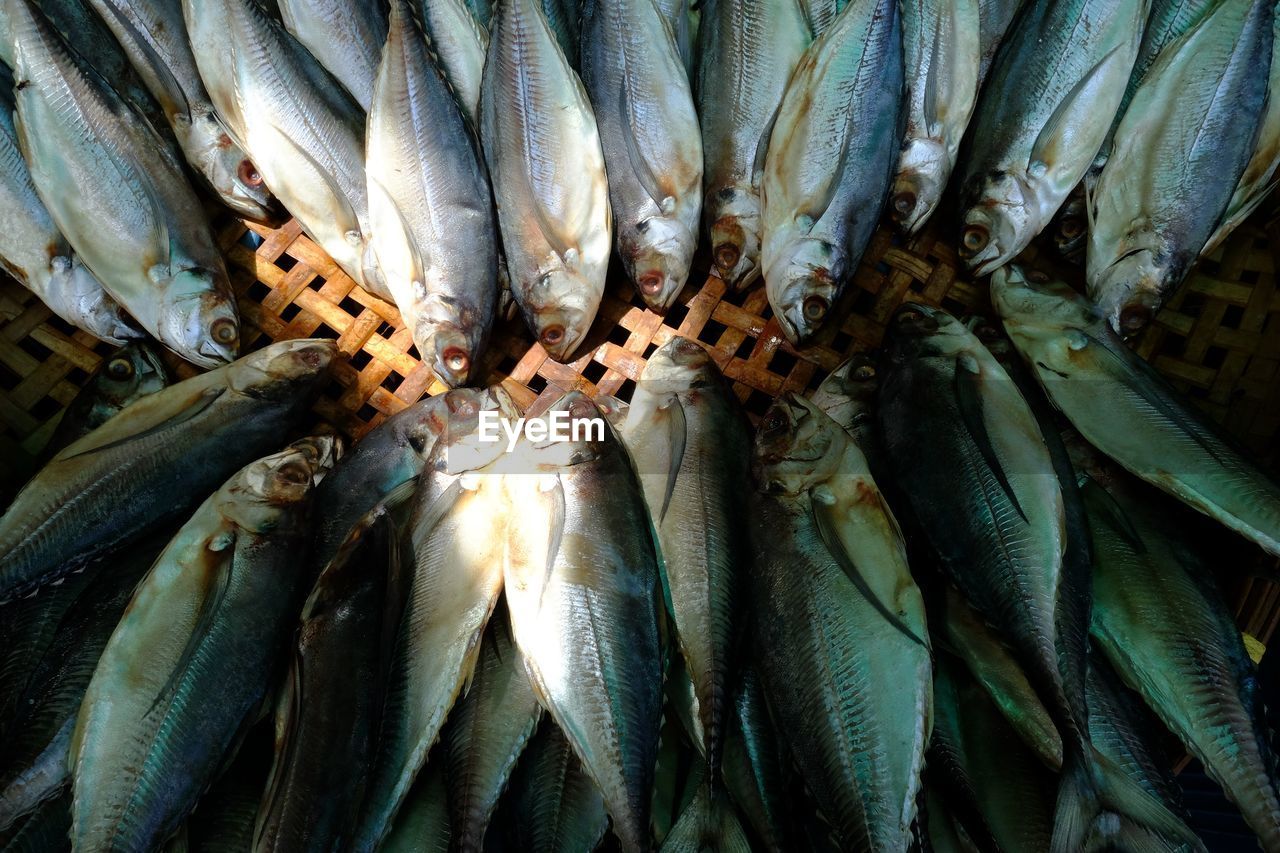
657,289
450,355
808,311
559,341
734,253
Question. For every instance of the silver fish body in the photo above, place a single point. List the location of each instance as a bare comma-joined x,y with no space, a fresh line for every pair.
831,158
154,37
164,452
346,38
1179,151
652,144
460,43
193,656
994,17
126,376
1045,109
434,231
747,52
554,805
303,132
133,219
542,145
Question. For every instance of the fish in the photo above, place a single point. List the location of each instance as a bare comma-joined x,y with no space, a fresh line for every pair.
554,806
542,145
1259,177
384,465
1122,406
1044,110
452,549
35,768
562,17
430,206
702,821
35,253
847,396
423,823
158,258
347,39
486,734
689,439
740,84
327,714
643,102
831,158
224,818
683,17
585,609
1179,152
840,637
303,131
43,831
154,462
970,455
481,10
821,14
130,373
459,42
942,52
182,674
755,766
1161,622
153,35
1070,227
994,18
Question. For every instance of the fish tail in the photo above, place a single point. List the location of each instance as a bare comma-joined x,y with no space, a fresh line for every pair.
1100,808
709,823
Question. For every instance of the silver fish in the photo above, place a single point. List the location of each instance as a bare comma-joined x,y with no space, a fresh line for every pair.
548,172
36,254
652,145
562,17
347,38
192,657
196,432
1045,109
459,43
126,376
1179,152
821,14
434,232
747,51
994,17
942,52
831,158
302,130
154,37
554,805
1122,406
132,218
683,19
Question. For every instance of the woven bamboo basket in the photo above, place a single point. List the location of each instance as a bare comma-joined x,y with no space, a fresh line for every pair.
1218,340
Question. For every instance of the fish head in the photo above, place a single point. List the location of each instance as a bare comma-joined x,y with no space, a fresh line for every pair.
448,348
999,225
679,363
918,186
233,176
259,497
734,213
659,258
796,446
135,370
560,310
614,410
1071,227
804,287
1026,297
920,331
849,390
459,446
283,370
201,322
1129,291
575,413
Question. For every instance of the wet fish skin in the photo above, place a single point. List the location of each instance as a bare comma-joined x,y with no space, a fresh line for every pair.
35,253
755,768
460,43
224,818
554,805
740,84
486,734
423,823
346,38
942,55
822,13
848,397
831,158
326,718
1161,622
542,145
212,614
130,373
995,17
435,236
134,220
1044,110
689,438
189,437
303,131
1121,405
585,611
44,830
1179,151
562,17
633,73
840,635
683,19
153,35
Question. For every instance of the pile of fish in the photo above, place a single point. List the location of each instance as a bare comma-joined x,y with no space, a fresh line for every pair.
458,157
912,612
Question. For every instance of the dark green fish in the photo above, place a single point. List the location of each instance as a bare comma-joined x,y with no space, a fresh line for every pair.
46,830
554,807
422,826
130,373
154,461
224,818
756,771
194,655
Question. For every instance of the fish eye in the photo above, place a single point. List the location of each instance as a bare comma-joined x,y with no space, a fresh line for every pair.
1037,277
249,174
727,256
120,368
907,316
582,410
864,373
815,308
294,473
1134,318
975,238
456,359
552,336
1071,227
224,331
903,203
